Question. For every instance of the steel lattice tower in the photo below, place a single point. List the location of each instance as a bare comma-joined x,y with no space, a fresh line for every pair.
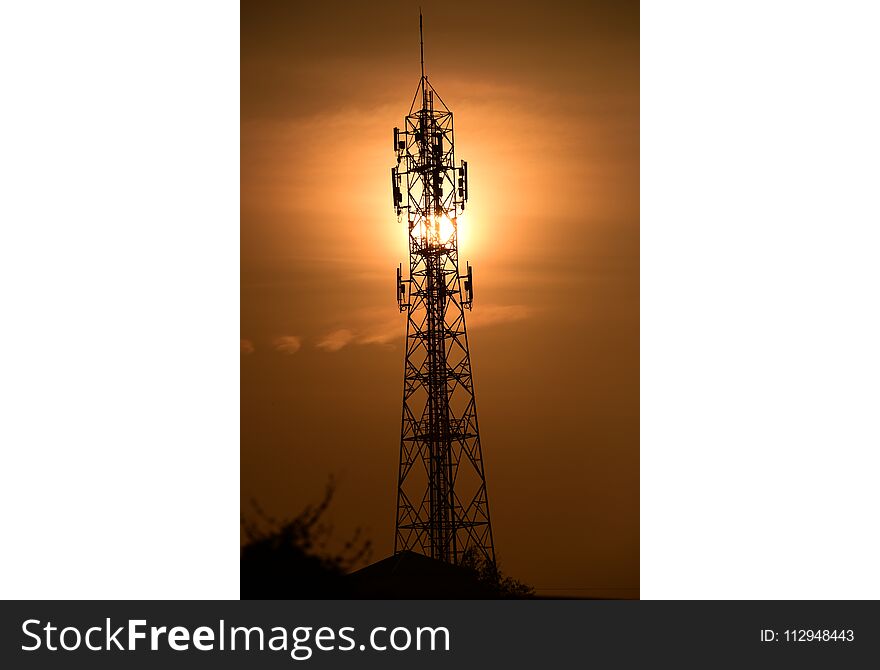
442,503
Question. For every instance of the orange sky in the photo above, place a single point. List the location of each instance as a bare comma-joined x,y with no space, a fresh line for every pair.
546,104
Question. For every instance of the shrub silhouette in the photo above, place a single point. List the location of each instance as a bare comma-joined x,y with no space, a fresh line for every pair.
491,576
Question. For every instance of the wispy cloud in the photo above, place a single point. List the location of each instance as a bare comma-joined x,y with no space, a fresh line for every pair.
384,333
336,340
387,331
247,347
288,344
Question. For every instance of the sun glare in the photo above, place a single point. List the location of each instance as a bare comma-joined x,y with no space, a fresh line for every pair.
441,230
445,228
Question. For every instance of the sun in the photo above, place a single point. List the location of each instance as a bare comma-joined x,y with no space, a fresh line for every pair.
445,228
440,231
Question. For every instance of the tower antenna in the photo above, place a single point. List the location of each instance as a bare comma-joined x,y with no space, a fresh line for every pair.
421,43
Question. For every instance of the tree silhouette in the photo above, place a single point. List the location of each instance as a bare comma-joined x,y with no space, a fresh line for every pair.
288,559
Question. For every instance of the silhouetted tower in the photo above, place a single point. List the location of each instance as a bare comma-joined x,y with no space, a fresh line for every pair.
442,504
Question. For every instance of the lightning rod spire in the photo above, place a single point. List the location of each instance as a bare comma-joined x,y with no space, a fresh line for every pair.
421,43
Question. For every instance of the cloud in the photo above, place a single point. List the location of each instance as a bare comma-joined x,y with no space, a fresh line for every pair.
336,340
384,333
287,344
247,347
387,331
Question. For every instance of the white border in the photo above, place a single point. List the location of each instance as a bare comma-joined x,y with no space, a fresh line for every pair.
119,165
759,285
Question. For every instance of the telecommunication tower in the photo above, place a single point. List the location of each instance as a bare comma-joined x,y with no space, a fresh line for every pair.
442,503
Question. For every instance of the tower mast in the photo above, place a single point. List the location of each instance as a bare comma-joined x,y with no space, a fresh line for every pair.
442,503
421,43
